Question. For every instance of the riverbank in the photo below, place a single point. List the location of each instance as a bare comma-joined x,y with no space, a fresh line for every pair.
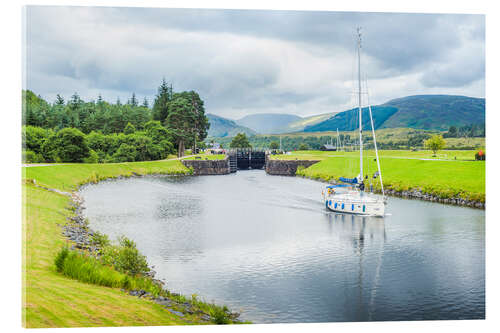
405,174
52,300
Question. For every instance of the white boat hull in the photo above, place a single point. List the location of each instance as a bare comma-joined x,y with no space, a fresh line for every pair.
359,205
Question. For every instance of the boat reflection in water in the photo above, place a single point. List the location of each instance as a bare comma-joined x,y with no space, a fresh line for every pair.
363,234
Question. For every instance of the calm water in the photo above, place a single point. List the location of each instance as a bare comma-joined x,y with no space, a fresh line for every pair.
266,246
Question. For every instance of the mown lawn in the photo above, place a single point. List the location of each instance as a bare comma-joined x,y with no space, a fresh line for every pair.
462,155
447,178
49,298
67,177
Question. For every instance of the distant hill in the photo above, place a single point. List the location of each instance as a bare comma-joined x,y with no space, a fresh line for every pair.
269,123
437,112
299,125
348,120
223,127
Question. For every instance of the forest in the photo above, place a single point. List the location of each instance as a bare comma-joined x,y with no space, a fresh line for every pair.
100,132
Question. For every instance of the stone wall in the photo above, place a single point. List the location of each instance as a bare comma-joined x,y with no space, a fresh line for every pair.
208,167
286,167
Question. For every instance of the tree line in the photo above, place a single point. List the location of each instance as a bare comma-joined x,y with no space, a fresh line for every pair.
466,131
413,140
98,131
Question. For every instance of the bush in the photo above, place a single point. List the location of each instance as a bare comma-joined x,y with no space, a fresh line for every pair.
30,156
67,145
125,257
99,239
125,153
220,315
92,158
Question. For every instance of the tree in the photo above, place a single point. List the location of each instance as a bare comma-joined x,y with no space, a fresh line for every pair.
145,103
435,143
133,100
240,141
60,100
180,120
274,145
452,132
163,98
200,125
129,129
303,146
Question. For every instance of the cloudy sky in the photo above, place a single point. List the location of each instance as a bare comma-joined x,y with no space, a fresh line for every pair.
243,62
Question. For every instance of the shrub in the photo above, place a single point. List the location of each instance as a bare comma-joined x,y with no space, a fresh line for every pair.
220,315
129,259
92,158
99,239
30,156
125,257
67,145
59,261
125,153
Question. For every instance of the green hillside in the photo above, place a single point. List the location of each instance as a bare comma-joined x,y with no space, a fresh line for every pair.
436,111
430,112
223,127
348,120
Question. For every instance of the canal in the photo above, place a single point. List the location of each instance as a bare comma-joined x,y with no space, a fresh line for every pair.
265,245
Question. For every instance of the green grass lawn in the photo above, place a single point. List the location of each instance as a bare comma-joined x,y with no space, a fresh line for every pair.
67,177
463,155
403,170
207,157
49,298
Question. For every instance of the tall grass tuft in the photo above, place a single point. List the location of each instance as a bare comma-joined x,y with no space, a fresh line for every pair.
90,270
59,261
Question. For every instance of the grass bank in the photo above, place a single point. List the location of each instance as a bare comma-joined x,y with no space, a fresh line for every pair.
404,170
51,299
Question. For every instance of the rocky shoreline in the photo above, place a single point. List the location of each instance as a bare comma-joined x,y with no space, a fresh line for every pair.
78,231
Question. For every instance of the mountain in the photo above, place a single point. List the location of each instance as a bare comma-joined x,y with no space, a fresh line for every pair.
223,127
268,123
348,120
436,111
299,125
421,111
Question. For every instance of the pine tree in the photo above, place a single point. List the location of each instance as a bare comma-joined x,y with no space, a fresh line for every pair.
59,100
145,103
133,100
118,102
163,98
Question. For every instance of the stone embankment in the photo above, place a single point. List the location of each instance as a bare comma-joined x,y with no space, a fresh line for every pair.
286,167
208,167
416,194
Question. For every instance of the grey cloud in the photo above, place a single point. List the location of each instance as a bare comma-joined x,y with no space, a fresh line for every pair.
264,61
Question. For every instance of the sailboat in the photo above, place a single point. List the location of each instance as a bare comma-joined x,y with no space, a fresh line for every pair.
350,195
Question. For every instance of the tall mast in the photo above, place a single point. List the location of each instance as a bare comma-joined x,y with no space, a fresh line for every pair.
359,107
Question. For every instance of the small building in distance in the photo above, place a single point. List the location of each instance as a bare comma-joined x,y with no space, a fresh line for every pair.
328,147
214,148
